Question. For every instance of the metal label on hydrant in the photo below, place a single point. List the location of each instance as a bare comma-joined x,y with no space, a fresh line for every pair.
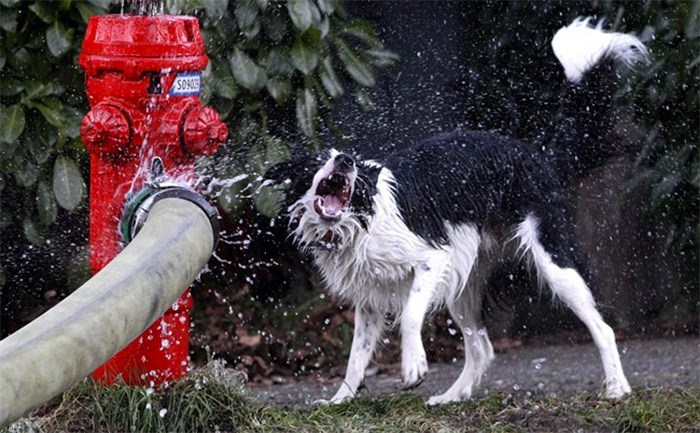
187,84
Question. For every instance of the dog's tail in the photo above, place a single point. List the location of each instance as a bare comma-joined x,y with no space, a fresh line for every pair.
589,55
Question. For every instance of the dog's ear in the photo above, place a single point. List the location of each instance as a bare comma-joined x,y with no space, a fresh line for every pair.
294,176
365,187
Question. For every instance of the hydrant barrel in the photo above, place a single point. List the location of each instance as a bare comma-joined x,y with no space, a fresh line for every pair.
143,81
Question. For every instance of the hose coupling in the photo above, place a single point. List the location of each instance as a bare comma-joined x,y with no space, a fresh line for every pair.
159,187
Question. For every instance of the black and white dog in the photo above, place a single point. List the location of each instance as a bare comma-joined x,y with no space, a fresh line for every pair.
425,227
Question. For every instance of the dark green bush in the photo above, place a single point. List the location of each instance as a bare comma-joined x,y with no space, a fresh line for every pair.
276,68
269,59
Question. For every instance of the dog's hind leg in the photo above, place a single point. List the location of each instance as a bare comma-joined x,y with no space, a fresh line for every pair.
465,309
368,329
567,284
478,351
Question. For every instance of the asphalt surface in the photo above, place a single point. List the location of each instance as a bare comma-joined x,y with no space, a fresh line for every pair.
539,370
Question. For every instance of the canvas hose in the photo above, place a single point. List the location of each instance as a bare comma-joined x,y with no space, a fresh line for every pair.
72,339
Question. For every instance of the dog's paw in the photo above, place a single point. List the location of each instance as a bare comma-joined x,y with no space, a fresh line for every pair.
334,400
344,394
414,370
617,389
447,397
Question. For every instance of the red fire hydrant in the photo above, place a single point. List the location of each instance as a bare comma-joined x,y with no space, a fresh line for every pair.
143,80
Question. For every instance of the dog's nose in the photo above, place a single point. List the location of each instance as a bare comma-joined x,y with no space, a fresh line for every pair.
344,162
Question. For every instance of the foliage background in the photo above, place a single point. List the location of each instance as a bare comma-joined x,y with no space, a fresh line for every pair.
275,70
304,74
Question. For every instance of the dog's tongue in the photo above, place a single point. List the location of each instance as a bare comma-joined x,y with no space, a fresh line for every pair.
332,205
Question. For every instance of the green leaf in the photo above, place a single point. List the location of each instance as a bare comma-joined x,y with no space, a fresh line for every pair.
275,27
12,123
304,58
224,84
246,72
10,86
330,80
231,199
301,13
276,151
9,3
326,6
324,27
68,185
382,58
59,39
36,90
31,232
268,200
278,63
28,172
52,109
73,120
46,204
8,21
362,30
44,10
357,69
306,108
40,141
215,9
279,88
247,18
86,10
19,59
262,4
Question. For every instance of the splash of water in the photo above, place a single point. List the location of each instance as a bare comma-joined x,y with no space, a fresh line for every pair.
145,7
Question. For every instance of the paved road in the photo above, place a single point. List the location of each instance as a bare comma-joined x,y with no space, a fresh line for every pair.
557,370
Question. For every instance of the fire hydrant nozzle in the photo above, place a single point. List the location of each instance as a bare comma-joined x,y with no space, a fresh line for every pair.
106,129
203,131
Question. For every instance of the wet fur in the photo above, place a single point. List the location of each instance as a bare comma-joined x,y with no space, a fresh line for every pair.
426,227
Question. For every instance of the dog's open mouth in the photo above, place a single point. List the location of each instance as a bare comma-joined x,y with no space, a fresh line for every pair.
333,196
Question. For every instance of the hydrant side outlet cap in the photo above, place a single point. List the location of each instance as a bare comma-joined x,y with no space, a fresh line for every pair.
106,130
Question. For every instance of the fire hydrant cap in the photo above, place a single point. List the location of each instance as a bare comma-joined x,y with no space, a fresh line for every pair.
106,130
170,41
203,131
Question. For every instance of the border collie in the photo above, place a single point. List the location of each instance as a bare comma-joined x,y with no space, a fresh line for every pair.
426,226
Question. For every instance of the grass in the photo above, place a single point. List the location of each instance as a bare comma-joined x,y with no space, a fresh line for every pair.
213,399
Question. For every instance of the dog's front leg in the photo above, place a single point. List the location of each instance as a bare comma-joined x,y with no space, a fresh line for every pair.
414,364
369,325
